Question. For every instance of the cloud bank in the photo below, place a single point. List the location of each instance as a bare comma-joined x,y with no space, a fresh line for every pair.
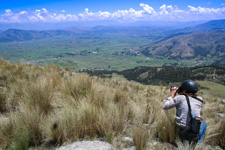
146,13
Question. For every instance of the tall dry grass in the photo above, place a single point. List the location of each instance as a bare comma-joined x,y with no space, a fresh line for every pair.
140,137
52,106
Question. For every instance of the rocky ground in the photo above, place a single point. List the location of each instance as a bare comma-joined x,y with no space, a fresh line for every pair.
100,145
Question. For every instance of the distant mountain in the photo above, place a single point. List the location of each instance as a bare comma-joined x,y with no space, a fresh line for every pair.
145,31
205,27
25,35
20,35
89,24
189,45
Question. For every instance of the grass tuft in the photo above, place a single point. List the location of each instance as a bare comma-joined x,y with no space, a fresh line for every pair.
140,137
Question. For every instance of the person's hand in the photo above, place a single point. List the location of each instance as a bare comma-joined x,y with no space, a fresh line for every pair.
173,91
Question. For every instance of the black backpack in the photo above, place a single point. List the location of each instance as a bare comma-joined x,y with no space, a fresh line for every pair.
192,134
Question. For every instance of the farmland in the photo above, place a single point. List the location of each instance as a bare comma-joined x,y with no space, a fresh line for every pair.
98,50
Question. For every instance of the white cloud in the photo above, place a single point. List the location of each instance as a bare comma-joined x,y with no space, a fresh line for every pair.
166,12
163,9
32,18
203,10
147,9
8,11
23,12
44,10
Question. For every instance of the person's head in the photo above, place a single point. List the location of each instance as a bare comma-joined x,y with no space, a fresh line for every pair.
188,87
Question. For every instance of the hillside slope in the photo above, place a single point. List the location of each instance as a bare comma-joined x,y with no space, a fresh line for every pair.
189,45
49,106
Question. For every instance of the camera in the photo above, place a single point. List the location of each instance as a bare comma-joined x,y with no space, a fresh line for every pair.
179,90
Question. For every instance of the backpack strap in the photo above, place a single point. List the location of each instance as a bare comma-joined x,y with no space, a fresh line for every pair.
197,98
189,105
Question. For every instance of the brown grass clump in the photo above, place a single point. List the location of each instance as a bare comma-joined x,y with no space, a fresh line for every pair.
166,128
216,133
52,106
3,100
140,137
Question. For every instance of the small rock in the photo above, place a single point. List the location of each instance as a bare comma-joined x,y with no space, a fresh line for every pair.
87,145
220,115
153,143
127,139
223,101
145,124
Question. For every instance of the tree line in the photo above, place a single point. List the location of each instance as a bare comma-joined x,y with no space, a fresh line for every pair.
166,74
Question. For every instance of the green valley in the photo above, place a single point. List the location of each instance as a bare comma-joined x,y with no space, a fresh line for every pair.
97,48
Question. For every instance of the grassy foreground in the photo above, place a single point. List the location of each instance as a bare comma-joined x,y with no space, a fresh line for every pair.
51,106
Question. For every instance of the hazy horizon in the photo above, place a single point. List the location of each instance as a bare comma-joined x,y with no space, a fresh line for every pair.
91,24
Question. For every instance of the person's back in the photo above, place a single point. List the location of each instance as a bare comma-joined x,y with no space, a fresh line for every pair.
182,112
187,94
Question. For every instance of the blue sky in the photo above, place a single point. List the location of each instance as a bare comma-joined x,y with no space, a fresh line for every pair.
26,11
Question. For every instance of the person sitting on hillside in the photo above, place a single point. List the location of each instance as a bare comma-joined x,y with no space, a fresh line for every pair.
187,92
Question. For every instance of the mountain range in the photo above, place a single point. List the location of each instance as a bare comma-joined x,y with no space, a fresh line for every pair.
202,40
205,27
12,35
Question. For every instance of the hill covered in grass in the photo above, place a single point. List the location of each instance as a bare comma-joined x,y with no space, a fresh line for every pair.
201,40
189,45
52,106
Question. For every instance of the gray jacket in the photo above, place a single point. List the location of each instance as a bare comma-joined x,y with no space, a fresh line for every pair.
182,112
